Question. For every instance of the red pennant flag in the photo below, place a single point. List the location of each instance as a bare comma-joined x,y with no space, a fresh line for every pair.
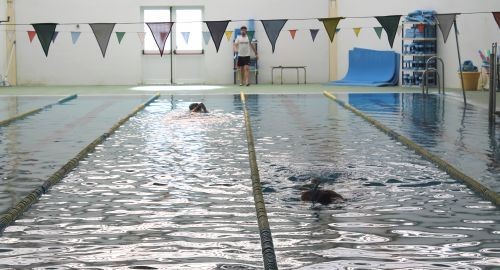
293,32
31,35
497,17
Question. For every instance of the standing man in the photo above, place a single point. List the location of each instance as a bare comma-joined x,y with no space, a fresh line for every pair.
242,46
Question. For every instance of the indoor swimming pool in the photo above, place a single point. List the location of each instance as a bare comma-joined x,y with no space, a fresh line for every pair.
170,190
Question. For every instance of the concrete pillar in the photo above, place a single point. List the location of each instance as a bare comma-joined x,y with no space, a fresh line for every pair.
333,45
10,38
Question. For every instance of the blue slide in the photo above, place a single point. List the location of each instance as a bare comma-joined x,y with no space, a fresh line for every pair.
371,68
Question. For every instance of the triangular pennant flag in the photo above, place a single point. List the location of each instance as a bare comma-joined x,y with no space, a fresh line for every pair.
357,30
160,31
186,35
273,29
31,35
75,36
378,30
228,34
445,23
314,33
496,15
250,35
206,37
217,29
119,36
141,36
54,36
390,25
102,33
45,31
331,26
292,33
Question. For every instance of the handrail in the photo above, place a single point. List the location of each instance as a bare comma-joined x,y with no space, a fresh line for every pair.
493,83
425,86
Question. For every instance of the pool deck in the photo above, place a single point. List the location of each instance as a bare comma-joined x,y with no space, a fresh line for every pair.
478,98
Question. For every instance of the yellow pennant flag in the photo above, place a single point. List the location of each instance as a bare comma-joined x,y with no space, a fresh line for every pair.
357,30
229,34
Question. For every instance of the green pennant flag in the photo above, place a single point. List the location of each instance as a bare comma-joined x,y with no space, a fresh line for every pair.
45,33
331,25
378,30
390,25
250,35
119,36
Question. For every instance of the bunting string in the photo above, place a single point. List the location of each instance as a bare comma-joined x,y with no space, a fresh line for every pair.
289,19
217,29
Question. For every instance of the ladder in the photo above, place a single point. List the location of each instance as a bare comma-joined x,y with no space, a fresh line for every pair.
425,81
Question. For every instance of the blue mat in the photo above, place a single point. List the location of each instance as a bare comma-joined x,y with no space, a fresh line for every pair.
371,68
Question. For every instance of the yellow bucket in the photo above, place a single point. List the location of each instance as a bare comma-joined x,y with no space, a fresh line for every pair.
471,80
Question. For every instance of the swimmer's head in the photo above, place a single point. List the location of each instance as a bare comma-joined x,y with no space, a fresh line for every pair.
315,181
194,107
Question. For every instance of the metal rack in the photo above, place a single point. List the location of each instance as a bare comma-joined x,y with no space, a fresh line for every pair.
418,45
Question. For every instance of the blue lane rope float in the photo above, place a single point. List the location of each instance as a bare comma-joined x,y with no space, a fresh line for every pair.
266,239
28,113
19,208
440,163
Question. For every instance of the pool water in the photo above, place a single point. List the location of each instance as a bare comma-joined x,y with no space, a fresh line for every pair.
173,191
35,147
11,106
458,134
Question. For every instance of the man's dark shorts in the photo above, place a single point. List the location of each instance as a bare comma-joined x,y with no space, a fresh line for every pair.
243,61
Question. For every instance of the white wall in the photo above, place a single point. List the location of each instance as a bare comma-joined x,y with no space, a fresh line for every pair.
477,31
83,64
3,53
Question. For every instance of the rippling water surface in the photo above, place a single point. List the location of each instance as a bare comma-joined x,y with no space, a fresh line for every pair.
172,191
459,134
35,147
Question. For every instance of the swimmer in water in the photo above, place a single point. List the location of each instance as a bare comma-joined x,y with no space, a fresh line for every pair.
316,194
198,108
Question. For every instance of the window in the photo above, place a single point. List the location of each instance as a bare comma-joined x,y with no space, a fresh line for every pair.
155,15
188,30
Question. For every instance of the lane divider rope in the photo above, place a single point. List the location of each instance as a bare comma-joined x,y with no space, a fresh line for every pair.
440,163
28,113
266,239
20,207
